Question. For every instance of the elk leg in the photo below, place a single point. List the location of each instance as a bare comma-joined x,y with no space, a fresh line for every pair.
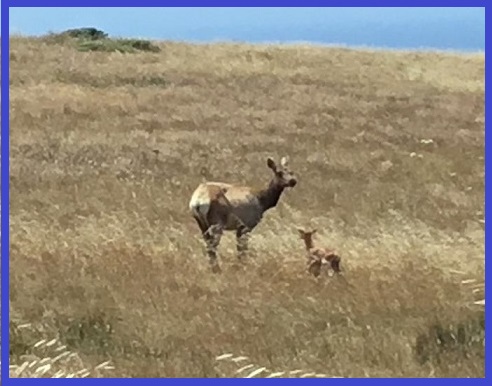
212,238
207,235
201,224
242,236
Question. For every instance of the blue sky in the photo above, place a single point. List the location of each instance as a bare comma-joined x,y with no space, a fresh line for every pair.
459,28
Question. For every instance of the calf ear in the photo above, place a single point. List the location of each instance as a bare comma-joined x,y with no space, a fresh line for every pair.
314,231
271,164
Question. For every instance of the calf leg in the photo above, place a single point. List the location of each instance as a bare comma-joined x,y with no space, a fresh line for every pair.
315,269
335,264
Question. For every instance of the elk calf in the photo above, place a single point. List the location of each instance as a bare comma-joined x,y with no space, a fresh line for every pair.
219,206
318,257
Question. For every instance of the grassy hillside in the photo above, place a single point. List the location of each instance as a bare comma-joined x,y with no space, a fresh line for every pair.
105,257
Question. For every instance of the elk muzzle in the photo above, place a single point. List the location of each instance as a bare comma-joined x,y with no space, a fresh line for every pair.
292,182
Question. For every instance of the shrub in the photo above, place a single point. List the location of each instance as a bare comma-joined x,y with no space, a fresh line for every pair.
92,39
89,33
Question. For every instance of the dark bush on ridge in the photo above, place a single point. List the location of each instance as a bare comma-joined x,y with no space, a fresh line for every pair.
92,39
88,33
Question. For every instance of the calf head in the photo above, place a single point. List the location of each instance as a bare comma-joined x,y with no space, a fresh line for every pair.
306,235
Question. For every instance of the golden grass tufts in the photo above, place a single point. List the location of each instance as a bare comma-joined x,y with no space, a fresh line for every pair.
51,359
239,370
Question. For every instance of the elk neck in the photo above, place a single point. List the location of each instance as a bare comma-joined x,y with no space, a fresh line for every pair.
269,197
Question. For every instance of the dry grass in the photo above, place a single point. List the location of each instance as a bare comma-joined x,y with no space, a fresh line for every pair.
235,367
106,258
49,358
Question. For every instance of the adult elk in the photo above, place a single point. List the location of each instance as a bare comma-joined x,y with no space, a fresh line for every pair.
220,206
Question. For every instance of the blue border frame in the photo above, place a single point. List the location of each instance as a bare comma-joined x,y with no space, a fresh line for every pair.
5,193
5,4
244,3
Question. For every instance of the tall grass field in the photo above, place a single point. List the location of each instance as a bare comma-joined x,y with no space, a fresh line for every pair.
108,271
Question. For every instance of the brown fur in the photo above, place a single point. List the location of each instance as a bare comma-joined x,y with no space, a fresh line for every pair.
318,257
219,206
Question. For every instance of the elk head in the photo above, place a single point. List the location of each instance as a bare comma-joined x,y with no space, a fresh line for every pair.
284,177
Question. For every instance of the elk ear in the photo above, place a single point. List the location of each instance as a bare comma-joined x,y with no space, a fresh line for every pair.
271,164
301,232
284,161
314,231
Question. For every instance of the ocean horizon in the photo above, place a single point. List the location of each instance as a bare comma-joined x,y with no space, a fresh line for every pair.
458,33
